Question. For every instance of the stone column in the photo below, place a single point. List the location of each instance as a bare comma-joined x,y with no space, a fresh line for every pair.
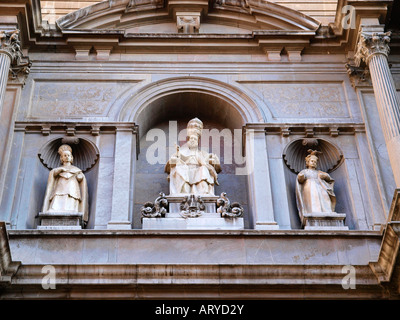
124,156
261,206
12,64
11,60
373,50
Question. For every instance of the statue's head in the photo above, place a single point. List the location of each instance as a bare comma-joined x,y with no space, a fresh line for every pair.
65,152
312,159
194,127
193,141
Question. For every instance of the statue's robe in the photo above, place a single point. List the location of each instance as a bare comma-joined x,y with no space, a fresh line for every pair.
315,194
64,193
191,170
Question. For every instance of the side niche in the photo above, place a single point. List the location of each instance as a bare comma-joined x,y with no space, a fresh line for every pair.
314,193
296,151
85,153
67,195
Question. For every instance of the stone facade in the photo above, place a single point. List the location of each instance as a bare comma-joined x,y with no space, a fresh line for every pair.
119,80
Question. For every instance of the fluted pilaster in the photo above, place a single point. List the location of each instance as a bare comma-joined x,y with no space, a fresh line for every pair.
373,49
5,62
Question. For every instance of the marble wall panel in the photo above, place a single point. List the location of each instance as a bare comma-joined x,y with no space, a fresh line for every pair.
302,100
65,99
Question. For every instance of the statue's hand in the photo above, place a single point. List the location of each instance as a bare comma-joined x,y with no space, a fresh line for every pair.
301,177
59,170
213,158
174,160
325,176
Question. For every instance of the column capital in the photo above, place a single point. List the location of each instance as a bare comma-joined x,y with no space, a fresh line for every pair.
370,44
11,46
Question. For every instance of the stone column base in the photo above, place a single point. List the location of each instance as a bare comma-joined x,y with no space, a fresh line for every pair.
324,221
60,220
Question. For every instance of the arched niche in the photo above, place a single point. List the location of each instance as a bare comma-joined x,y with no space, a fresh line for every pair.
86,156
85,153
331,161
295,153
171,110
180,96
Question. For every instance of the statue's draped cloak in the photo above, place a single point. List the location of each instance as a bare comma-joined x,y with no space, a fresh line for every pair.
191,168
315,194
65,188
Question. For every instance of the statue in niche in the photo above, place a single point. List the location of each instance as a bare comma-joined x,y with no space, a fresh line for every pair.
314,188
66,190
193,171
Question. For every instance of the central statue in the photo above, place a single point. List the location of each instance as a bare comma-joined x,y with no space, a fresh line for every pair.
191,170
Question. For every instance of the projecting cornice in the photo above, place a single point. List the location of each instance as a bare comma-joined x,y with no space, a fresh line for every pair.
246,16
215,26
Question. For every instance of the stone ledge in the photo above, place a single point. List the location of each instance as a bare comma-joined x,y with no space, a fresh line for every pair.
247,232
194,282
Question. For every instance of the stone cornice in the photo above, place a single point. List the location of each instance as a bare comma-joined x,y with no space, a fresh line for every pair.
308,130
309,38
299,279
73,128
161,281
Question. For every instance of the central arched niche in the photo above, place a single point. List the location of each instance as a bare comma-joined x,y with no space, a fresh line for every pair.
172,112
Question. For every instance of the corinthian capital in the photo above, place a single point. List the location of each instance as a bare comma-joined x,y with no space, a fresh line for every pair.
11,46
370,44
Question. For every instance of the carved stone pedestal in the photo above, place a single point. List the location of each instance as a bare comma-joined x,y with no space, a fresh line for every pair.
208,221
175,202
60,220
324,221
190,212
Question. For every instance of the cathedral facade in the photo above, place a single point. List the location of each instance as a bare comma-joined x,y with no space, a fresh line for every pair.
205,148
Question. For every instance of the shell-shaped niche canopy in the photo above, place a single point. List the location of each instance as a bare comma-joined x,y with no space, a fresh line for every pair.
295,153
85,153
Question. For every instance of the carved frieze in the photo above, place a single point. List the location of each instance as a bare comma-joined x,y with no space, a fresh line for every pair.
64,99
303,100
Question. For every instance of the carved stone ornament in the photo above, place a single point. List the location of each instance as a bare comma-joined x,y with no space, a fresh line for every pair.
228,210
158,209
192,206
11,45
370,44
188,22
359,76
